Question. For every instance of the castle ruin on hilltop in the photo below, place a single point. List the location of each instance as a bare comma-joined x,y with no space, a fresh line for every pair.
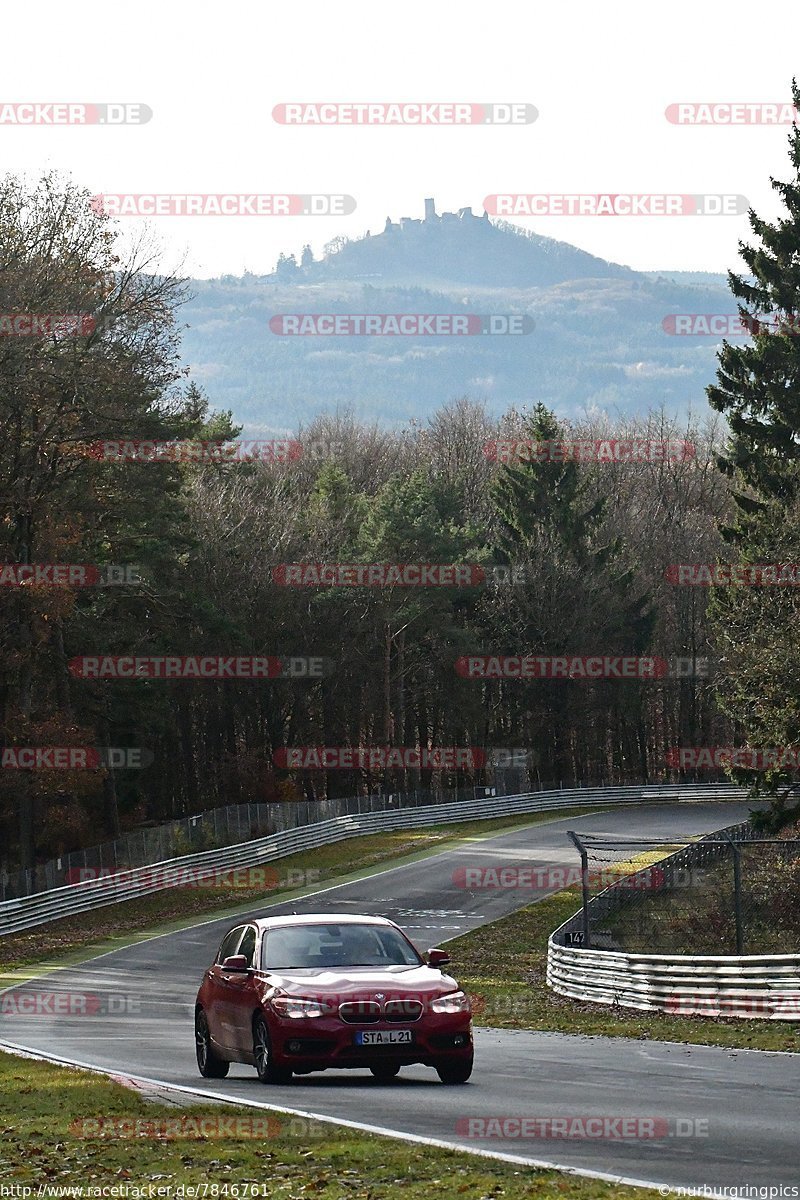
432,217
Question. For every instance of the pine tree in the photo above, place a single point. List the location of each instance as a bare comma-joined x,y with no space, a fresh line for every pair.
758,386
758,391
543,505
578,596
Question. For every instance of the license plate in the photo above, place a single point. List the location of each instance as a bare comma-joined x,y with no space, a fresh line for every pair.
383,1037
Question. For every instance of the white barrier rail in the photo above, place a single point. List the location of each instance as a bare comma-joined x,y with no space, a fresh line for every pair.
764,986
26,912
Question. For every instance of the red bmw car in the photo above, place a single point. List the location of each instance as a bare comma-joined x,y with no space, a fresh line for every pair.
290,995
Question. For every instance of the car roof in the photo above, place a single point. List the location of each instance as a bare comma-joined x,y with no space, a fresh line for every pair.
265,923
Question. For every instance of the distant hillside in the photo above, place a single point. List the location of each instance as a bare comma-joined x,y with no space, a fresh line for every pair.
598,340
459,248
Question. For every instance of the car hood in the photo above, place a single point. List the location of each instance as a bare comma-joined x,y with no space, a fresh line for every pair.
361,982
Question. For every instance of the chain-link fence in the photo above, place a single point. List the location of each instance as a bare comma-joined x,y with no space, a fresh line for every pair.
731,892
226,826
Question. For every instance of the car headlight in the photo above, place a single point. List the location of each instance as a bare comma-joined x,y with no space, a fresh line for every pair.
456,1002
292,1006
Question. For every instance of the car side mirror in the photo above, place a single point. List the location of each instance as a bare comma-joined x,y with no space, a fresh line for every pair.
236,963
438,958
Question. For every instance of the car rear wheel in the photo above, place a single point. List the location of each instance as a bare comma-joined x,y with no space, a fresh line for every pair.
454,1071
385,1070
210,1065
262,1053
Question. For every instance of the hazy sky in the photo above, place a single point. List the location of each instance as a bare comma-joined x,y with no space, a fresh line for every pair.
600,75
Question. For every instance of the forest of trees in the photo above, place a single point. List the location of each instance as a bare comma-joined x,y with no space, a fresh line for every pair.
591,544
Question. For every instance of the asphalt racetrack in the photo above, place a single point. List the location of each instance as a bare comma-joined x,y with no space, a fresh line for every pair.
143,1026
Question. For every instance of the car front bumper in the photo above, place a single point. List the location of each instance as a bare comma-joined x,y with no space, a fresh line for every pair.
307,1044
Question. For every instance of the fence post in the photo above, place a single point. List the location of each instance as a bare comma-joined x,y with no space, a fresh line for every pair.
587,937
737,895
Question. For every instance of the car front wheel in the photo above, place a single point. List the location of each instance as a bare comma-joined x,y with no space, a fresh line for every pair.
262,1053
454,1071
210,1065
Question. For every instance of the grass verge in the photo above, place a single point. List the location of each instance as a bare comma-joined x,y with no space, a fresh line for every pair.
41,1108
504,964
74,939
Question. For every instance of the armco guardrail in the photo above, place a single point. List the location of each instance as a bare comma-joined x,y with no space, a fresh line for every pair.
28,911
716,985
766,986
35,910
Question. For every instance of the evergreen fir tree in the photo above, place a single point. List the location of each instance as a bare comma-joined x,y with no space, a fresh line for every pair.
758,391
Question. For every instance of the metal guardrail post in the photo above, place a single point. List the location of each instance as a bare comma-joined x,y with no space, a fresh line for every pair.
587,937
737,894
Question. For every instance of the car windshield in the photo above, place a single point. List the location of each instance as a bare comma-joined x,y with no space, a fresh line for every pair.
302,947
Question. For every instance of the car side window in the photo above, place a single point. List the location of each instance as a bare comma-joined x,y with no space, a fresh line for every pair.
248,944
229,944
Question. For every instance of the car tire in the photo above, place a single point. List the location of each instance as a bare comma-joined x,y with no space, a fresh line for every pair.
209,1064
454,1071
385,1071
262,1054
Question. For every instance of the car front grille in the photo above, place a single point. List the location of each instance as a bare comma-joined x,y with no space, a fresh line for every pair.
402,1010
360,1012
367,1012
